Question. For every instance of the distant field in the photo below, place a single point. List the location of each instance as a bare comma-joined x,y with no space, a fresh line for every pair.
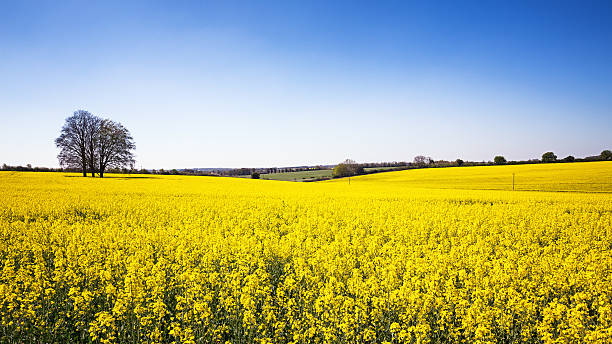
304,176
371,169
298,176
580,176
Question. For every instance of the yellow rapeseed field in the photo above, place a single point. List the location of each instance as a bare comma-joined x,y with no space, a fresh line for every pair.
421,256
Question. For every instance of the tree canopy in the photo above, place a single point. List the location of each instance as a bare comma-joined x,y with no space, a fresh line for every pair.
347,168
75,136
421,160
549,157
114,146
499,160
94,144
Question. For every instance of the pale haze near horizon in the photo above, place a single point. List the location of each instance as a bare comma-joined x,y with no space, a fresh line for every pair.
275,84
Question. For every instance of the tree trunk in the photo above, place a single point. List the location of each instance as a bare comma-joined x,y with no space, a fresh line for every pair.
101,174
84,170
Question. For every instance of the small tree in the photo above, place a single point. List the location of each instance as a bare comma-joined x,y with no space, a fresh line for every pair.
549,157
255,175
569,158
606,155
499,160
341,170
347,168
421,160
459,162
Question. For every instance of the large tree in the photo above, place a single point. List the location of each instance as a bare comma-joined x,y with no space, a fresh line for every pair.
499,160
114,146
91,144
77,132
549,157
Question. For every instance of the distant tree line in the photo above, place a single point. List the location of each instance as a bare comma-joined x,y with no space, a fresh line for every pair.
94,145
29,168
351,168
346,168
551,157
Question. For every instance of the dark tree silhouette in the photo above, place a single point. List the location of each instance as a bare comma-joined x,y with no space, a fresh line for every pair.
421,160
549,157
499,160
606,155
91,144
76,134
114,146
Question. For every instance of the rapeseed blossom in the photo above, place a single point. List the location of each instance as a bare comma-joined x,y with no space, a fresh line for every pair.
428,256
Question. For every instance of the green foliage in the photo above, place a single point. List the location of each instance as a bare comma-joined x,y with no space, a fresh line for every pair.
499,160
341,170
300,176
346,169
255,175
549,157
606,155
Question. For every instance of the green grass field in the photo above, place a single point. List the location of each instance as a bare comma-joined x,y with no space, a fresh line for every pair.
304,176
373,169
298,176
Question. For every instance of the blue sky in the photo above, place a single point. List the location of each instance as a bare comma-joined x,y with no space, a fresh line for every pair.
231,84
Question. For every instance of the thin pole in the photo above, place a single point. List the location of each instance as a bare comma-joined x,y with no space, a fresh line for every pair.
512,181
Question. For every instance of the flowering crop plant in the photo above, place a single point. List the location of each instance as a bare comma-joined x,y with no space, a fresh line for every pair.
416,256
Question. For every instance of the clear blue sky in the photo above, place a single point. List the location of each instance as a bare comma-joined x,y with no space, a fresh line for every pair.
230,84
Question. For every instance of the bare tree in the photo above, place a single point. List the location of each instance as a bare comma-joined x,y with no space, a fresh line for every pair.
349,162
75,134
421,160
91,142
114,146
